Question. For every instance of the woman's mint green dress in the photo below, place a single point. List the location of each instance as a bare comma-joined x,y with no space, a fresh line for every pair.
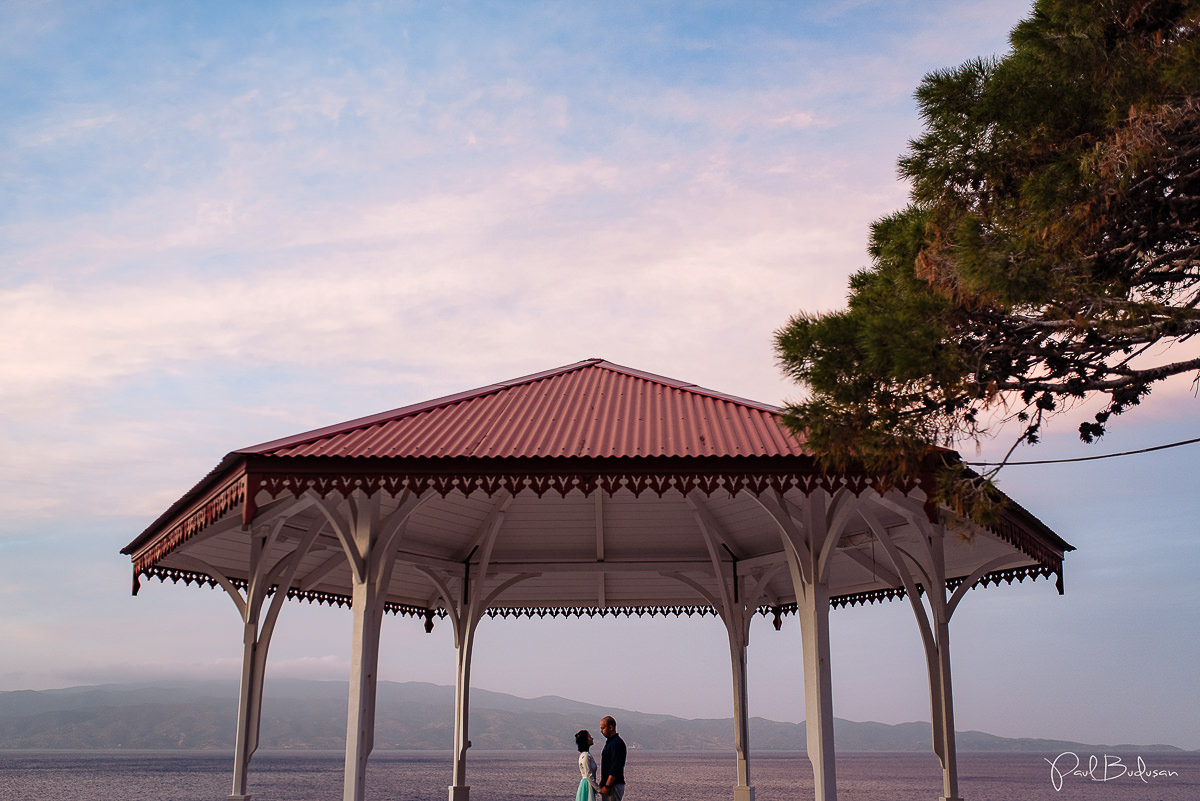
587,780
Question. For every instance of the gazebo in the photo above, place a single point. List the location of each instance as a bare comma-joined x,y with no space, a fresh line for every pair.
587,489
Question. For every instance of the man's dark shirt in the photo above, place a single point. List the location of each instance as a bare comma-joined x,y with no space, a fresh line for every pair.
612,761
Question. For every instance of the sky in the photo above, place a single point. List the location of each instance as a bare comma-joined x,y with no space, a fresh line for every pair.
224,223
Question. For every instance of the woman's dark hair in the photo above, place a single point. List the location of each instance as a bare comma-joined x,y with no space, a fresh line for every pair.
581,739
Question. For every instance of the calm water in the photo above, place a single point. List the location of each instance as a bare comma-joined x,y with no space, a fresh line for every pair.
551,776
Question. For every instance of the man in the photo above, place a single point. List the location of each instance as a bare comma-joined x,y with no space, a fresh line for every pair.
612,761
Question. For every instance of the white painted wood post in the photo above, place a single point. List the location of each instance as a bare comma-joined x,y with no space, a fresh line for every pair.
933,622
249,713
813,611
256,629
809,540
465,619
459,789
736,610
743,791
939,663
370,544
465,612
364,666
745,603
250,688
945,721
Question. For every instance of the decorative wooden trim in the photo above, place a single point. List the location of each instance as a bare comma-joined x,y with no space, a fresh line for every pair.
215,505
243,488
175,575
601,611
1033,572
244,485
238,481
1032,546
1018,574
1009,575
297,483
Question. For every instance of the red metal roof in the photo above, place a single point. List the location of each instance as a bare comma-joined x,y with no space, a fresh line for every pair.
589,409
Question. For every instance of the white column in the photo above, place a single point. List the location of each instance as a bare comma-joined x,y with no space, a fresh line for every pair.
813,611
464,609
809,540
459,789
370,544
743,790
939,664
249,711
929,563
944,713
367,604
465,612
256,627
250,688
736,610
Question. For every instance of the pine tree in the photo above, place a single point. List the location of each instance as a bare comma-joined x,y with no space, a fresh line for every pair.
1050,250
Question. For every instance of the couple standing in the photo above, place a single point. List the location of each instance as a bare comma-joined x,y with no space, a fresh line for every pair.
612,764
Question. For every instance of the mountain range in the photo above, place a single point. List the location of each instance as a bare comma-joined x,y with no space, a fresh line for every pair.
311,715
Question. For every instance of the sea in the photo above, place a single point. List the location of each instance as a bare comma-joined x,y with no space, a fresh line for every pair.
552,776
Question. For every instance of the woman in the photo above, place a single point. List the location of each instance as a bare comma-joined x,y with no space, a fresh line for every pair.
587,768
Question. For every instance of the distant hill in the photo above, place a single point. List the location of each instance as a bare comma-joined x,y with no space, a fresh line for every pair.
411,716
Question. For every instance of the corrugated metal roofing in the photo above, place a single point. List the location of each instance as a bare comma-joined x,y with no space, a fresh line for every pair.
590,409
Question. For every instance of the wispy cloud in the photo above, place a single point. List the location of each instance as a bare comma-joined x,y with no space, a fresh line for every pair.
433,215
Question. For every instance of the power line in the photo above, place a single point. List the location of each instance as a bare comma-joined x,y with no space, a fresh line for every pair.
1086,458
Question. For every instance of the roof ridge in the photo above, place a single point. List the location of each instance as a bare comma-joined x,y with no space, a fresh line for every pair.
489,389
684,385
411,409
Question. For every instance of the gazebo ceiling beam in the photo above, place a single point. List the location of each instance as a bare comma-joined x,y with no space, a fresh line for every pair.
485,533
911,508
770,560
339,514
687,581
495,594
598,505
328,541
314,576
837,513
708,523
769,596
268,513
227,525
601,584
760,587
675,566
878,570
787,516
455,568
449,598
293,530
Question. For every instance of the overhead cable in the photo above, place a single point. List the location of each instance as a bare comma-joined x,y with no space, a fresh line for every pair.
1086,458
